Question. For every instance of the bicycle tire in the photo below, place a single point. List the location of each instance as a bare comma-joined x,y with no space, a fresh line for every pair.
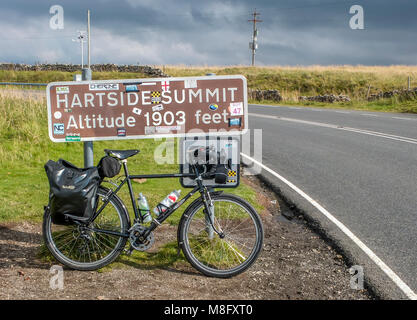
116,203
184,236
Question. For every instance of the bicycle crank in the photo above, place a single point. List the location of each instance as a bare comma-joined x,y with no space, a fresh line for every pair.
137,240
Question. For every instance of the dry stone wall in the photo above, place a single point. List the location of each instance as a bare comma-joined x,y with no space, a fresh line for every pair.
330,98
407,94
154,72
259,95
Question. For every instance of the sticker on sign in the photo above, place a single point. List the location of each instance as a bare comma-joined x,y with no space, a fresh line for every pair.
236,108
165,107
103,86
62,90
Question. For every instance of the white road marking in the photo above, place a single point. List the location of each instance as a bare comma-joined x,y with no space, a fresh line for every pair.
382,135
328,110
401,118
369,115
333,126
381,264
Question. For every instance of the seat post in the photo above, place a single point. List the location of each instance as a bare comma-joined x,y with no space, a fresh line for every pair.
124,162
132,195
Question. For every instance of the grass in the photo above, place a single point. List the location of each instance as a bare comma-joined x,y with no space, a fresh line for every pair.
25,147
51,76
292,82
313,80
383,105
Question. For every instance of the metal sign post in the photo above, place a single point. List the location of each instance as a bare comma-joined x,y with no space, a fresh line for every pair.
88,145
87,76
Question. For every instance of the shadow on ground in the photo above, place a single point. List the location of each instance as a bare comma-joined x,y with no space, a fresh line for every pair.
19,248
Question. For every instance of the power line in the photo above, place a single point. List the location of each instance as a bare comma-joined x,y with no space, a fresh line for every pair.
253,45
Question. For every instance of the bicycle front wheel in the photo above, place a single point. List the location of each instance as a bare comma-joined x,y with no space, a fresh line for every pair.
239,244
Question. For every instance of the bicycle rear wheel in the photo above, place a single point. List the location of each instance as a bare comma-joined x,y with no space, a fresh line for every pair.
225,256
79,248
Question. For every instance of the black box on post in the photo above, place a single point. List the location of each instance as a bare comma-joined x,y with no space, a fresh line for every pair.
225,151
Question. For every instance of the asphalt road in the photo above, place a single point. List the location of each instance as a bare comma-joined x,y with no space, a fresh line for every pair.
366,178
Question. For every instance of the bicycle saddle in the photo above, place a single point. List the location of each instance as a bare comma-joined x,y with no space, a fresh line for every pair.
121,154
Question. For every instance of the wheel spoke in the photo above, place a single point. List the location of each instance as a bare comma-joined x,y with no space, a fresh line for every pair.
235,251
227,236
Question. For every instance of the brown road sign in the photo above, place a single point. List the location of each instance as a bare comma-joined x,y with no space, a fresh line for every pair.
147,108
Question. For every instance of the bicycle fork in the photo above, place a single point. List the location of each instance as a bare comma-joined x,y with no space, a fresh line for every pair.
210,217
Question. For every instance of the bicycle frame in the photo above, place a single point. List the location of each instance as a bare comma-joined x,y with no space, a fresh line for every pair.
158,221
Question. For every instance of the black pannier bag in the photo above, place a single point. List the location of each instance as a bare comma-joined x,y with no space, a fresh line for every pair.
72,191
108,167
220,176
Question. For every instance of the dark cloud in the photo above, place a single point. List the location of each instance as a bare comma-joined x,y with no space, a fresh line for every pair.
293,32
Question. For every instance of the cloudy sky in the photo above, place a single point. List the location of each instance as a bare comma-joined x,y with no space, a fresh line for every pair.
211,32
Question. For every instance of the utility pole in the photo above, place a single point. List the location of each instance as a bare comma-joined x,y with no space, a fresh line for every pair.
253,45
87,75
81,39
89,37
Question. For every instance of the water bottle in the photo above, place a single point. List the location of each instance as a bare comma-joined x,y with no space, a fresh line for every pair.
144,208
167,202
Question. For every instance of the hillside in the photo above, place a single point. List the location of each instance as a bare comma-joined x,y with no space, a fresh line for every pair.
357,82
351,80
